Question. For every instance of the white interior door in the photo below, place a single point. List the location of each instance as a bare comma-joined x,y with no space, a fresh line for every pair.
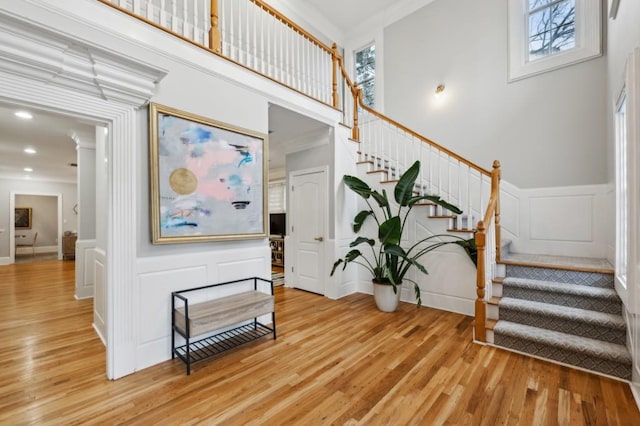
309,210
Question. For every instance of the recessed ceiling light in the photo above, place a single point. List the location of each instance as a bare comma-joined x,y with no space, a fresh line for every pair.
28,169
24,115
30,150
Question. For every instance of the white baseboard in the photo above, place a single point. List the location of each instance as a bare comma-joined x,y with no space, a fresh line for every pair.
5,261
104,342
39,250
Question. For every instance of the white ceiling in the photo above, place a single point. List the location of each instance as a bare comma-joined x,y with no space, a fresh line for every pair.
346,15
49,134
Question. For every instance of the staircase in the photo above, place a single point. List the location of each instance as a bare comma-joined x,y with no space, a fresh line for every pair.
565,311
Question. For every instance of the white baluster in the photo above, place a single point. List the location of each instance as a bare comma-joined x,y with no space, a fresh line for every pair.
149,10
137,4
288,44
254,18
163,14
185,28
206,22
196,36
268,39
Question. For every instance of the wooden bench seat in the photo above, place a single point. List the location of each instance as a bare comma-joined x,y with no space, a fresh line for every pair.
215,314
213,326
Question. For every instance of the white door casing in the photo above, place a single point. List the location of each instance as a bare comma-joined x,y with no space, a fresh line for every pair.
309,205
109,95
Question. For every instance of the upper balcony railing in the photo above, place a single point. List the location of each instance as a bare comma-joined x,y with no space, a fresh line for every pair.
252,34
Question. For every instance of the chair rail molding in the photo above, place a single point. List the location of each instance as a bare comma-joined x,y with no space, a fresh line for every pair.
48,70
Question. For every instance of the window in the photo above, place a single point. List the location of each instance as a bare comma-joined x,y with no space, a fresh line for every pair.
552,27
549,34
365,74
622,204
277,197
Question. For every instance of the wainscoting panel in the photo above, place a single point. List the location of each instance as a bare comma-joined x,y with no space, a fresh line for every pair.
100,296
545,212
85,268
158,276
563,221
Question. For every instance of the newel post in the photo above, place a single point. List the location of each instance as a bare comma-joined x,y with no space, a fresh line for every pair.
355,132
334,74
481,305
215,40
496,174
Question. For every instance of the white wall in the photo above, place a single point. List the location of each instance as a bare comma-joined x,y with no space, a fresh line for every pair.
86,207
547,130
44,219
69,196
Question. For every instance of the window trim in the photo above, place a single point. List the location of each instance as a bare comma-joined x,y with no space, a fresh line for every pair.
588,40
622,188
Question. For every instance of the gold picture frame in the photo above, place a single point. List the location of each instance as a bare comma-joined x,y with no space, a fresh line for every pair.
208,179
23,216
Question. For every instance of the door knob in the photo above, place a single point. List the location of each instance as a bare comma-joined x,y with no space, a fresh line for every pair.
320,239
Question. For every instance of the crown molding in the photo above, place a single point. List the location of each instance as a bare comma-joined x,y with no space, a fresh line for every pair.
35,52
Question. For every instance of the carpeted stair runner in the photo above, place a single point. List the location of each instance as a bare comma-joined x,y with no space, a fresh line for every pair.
591,354
567,316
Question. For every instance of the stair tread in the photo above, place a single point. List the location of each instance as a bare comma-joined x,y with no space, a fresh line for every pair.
565,288
565,312
585,345
561,261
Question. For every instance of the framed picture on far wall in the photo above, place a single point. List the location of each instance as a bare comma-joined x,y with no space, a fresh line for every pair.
23,217
208,179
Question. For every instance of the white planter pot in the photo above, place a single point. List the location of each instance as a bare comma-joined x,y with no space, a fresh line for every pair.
386,299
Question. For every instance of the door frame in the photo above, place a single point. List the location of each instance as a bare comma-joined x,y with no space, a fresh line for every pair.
290,261
12,228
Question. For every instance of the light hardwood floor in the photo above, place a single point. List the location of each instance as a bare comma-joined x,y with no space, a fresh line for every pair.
335,362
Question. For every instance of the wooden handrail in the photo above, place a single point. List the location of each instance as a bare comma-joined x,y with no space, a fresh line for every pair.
358,101
493,210
273,12
424,139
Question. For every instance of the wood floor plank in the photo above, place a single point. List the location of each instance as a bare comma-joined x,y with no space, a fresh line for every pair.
336,362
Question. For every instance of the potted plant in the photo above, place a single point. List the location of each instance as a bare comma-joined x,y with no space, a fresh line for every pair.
390,262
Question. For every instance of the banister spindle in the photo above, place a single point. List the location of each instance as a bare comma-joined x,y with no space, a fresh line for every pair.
215,39
496,175
334,75
355,132
480,305
185,30
163,14
150,10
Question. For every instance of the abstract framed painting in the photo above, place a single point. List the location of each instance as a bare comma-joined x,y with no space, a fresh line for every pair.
208,179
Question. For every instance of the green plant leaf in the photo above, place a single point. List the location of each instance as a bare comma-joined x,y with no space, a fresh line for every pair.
404,188
389,231
361,240
415,263
358,221
436,200
380,199
335,265
394,250
357,186
470,248
352,255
